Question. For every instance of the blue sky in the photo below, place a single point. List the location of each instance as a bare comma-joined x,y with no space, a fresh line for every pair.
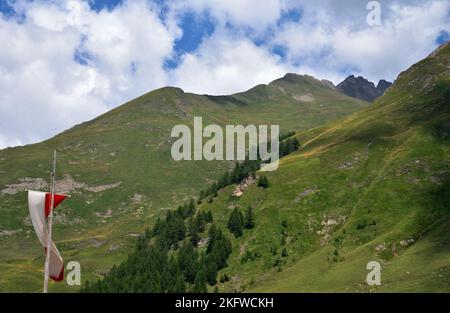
5,8
91,55
195,27
104,4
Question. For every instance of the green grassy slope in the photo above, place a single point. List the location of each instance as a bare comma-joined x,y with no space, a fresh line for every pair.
122,175
372,186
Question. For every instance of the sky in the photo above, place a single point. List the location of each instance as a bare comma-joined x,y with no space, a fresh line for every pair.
63,62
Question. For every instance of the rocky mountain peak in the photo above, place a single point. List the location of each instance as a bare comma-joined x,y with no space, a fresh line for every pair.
361,88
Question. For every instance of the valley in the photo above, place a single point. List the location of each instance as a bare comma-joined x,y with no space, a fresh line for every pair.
369,182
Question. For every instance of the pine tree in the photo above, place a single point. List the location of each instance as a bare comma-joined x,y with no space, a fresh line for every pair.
249,218
176,230
195,238
148,234
199,222
200,282
212,235
295,144
141,243
179,285
187,261
236,222
157,228
263,182
224,180
191,208
161,241
174,277
181,210
211,269
209,217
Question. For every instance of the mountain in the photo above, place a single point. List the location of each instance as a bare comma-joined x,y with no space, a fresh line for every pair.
383,85
373,186
369,183
361,88
120,174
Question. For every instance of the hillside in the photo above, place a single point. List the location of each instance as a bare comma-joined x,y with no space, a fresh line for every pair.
120,174
372,186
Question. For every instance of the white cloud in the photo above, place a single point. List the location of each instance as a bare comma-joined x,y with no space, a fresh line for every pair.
255,14
227,64
43,90
406,35
399,42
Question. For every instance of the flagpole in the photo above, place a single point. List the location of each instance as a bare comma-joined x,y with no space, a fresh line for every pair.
49,223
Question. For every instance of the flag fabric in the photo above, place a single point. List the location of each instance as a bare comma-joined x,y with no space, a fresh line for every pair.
39,204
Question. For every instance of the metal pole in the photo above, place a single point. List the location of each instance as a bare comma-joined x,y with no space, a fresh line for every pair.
49,223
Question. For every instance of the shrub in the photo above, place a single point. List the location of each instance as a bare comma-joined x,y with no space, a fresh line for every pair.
263,182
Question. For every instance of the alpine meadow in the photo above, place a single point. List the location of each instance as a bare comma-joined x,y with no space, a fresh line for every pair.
357,182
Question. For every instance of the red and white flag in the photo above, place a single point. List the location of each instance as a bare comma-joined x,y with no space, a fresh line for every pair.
39,204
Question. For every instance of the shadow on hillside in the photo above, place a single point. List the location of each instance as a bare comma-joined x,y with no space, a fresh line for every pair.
439,196
433,112
224,100
436,220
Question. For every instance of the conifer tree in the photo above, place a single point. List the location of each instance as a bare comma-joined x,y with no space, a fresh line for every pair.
200,282
199,222
191,208
211,271
212,234
249,218
236,222
157,227
209,217
187,260
195,238
263,182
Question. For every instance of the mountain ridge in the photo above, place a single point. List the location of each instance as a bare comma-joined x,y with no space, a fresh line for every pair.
370,186
121,176
292,78
361,88
370,182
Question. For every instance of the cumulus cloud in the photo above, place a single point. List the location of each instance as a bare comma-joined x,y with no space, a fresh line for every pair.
340,44
225,64
62,62
244,13
66,63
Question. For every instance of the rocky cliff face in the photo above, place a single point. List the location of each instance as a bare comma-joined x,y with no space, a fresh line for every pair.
361,88
383,85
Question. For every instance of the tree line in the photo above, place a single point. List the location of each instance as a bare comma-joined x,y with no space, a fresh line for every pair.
247,168
166,258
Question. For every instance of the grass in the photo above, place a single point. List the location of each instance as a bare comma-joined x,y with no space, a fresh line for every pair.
371,185
131,145
357,191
